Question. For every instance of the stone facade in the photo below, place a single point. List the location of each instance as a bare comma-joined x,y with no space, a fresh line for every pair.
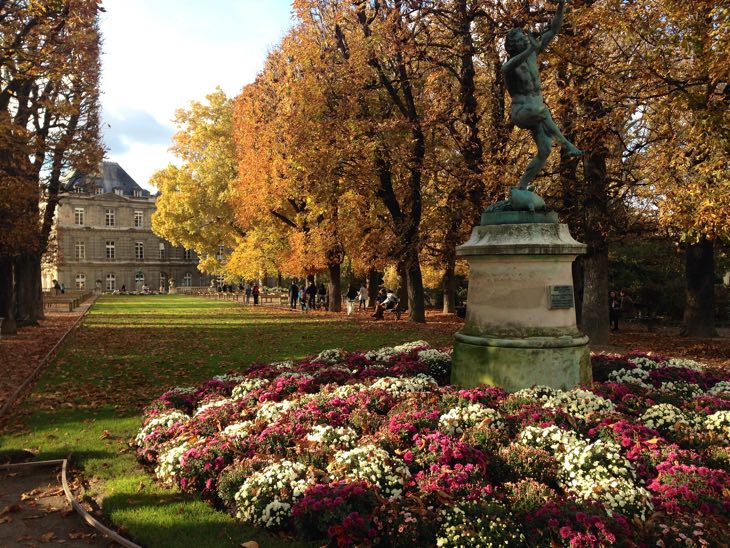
105,240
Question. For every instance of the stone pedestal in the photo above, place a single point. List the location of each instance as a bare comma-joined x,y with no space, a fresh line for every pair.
520,324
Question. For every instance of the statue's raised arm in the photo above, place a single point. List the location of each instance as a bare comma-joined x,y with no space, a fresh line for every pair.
554,27
528,111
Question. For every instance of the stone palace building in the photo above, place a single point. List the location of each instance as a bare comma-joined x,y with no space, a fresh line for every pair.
105,240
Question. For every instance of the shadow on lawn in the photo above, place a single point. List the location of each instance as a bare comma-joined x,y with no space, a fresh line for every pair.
181,520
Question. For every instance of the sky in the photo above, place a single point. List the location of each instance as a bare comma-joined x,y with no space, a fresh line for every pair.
159,55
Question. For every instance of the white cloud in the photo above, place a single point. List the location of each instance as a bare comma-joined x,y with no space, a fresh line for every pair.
159,56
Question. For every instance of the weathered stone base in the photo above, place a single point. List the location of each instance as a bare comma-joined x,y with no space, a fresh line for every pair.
513,364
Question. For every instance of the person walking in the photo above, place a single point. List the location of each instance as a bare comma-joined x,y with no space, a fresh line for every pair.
303,298
322,296
255,294
248,293
350,298
362,297
293,295
614,310
312,294
56,288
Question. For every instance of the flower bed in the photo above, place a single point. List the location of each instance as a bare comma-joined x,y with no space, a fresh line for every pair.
375,449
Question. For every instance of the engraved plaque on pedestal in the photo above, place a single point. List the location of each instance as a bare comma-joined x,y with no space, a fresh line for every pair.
560,296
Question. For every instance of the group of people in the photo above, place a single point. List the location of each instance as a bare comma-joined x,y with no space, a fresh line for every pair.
308,296
618,304
251,290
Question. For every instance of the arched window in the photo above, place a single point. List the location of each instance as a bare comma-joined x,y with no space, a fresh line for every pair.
188,280
139,280
111,282
80,281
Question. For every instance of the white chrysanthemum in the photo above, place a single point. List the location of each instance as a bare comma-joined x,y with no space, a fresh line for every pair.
644,363
272,410
336,438
636,376
400,386
685,363
580,403
282,366
168,464
161,421
347,390
663,417
331,356
266,497
459,530
238,430
685,390
719,422
372,464
720,388
247,386
551,438
460,419
540,393
438,363
409,346
381,356
212,405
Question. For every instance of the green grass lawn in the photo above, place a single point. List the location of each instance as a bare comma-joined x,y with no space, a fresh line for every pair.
89,403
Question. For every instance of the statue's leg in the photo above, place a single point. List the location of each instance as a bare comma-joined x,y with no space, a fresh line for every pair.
544,143
553,129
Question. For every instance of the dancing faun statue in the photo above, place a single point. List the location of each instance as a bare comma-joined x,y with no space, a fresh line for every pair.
522,79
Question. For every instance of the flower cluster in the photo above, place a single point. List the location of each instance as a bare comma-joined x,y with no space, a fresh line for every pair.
266,497
373,449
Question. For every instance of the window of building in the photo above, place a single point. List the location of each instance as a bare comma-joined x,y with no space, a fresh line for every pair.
78,190
119,191
79,216
111,282
188,254
80,251
139,251
220,253
99,191
138,219
163,281
110,217
162,250
187,280
110,250
80,281
137,193
139,280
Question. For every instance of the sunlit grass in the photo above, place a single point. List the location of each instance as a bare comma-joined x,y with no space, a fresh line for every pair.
89,403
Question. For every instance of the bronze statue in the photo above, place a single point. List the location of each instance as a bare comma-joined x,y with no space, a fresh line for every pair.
522,79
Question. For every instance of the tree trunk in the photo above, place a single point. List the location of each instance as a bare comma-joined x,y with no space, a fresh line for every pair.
699,308
28,290
594,312
7,297
578,277
335,289
402,290
449,285
373,279
416,305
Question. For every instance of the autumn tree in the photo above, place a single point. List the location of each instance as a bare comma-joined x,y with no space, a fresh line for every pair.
685,70
194,209
49,115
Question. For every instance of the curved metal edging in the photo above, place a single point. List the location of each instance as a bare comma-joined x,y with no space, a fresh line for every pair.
532,342
88,518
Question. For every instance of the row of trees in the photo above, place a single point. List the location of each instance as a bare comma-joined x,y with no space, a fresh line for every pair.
378,131
49,124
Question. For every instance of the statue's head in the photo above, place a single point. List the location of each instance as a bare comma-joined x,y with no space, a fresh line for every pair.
516,42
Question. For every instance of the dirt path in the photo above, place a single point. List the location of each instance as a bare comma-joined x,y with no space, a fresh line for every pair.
21,354
34,512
